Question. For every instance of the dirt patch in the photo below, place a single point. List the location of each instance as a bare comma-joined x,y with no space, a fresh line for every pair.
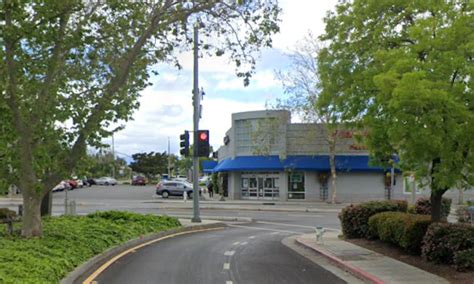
444,271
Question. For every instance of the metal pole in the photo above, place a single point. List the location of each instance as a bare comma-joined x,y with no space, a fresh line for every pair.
113,155
196,218
169,159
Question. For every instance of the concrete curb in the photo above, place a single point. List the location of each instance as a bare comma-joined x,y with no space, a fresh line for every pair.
356,271
81,272
307,210
215,218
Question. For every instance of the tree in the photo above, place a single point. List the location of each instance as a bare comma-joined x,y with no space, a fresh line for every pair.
312,98
71,69
405,70
150,164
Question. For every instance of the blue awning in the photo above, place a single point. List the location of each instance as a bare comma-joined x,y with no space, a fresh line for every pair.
208,166
347,163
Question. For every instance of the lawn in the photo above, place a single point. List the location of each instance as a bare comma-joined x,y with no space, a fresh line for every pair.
70,241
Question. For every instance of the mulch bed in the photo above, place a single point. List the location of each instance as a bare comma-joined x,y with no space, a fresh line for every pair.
444,271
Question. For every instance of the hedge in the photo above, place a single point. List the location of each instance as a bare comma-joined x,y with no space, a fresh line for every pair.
401,229
423,206
69,241
354,218
449,243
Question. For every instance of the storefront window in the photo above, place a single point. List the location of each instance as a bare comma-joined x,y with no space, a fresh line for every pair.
296,188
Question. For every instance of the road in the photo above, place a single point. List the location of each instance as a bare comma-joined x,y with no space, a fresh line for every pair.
241,253
142,200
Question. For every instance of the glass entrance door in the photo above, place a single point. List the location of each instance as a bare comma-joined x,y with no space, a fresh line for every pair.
260,186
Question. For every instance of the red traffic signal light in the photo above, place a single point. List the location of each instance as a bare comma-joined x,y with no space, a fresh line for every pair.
203,148
203,136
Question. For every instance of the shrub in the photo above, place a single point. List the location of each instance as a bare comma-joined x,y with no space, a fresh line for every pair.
355,218
69,241
6,213
464,260
449,244
463,214
423,206
401,229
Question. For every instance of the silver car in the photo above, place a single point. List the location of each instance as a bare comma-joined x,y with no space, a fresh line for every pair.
105,181
175,188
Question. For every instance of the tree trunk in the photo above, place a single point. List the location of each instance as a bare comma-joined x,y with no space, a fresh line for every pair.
332,165
436,199
461,196
31,214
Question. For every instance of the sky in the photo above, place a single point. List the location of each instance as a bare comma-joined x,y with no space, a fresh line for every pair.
166,106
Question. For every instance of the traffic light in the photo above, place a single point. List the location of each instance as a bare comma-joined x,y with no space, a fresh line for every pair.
184,144
203,143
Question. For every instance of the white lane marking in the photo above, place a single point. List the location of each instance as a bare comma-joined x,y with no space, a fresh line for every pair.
274,233
226,265
252,237
243,243
236,243
228,282
291,225
229,252
264,229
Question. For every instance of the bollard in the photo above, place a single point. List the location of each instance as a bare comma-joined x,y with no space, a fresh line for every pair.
319,235
20,210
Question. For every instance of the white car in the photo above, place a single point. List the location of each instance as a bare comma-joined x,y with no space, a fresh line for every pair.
105,181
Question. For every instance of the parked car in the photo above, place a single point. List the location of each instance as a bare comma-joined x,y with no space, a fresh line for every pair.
63,185
89,181
138,180
105,181
72,183
175,188
204,180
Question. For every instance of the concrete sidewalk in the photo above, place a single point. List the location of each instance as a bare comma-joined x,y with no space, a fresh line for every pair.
365,264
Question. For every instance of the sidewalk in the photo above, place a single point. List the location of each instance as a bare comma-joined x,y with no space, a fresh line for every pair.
365,264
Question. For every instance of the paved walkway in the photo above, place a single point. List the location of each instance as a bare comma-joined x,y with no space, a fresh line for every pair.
366,264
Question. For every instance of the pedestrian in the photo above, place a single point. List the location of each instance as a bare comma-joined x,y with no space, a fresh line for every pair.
210,189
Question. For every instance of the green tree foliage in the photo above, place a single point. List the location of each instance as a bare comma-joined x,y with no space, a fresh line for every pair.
70,69
150,164
405,69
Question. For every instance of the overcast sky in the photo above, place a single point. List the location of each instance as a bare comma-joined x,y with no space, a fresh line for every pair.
166,106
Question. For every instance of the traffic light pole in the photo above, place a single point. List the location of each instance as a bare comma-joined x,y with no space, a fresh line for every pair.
197,103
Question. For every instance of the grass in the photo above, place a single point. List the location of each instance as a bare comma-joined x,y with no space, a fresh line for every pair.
70,241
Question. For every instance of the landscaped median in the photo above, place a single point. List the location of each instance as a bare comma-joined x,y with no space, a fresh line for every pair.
69,241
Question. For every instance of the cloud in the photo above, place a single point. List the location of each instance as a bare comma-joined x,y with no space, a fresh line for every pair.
166,107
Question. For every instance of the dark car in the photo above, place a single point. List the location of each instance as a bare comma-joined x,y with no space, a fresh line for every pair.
138,180
175,188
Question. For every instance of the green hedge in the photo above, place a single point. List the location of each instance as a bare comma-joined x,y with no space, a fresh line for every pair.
423,206
401,229
70,241
450,244
354,218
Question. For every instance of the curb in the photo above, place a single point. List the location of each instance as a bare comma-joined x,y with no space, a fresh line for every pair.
364,275
81,272
307,210
215,218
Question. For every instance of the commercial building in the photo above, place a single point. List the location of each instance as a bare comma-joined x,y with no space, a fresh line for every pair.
266,157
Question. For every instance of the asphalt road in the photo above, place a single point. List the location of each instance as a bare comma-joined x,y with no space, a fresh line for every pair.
241,253
142,200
